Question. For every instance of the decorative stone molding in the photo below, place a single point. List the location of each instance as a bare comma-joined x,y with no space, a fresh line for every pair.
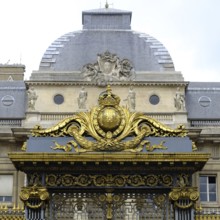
108,68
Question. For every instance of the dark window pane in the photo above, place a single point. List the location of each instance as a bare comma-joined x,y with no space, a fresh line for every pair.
212,179
212,197
203,188
58,99
203,196
203,179
212,188
208,188
154,99
5,198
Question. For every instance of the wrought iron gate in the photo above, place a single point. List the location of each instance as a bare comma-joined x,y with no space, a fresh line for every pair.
120,206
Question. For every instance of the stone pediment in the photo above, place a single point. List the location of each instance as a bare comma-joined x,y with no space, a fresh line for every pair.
108,68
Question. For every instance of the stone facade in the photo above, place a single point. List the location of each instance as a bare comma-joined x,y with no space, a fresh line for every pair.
58,83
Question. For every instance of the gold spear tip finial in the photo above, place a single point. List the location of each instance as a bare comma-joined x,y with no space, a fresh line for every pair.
106,4
108,89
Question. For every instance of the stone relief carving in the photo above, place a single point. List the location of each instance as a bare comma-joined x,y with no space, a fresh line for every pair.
179,101
108,68
32,98
82,98
131,99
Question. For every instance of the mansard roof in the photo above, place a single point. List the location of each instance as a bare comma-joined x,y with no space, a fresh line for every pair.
106,30
202,100
13,99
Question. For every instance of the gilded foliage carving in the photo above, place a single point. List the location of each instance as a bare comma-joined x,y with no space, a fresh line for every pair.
109,127
108,200
83,180
183,180
187,194
34,179
34,196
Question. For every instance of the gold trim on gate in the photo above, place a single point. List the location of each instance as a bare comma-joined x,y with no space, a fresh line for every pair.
69,180
189,194
37,193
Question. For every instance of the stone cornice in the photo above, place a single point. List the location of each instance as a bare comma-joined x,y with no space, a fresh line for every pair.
109,157
191,162
121,83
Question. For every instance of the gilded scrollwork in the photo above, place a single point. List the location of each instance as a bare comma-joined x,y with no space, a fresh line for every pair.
24,146
151,180
189,194
108,200
34,196
67,180
136,180
34,179
67,147
183,192
160,199
183,180
53,180
109,127
151,148
84,180
166,180
194,147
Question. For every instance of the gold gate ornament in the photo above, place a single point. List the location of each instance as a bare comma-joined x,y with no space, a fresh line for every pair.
187,193
37,193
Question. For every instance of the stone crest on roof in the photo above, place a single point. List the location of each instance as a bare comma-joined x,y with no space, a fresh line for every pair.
108,68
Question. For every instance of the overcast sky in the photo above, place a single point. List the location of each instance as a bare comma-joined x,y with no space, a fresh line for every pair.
189,29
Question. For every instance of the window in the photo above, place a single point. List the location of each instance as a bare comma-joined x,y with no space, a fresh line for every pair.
204,101
58,99
154,99
6,186
8,100
208,188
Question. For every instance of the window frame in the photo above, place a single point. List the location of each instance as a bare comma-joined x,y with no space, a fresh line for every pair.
12,192
208,186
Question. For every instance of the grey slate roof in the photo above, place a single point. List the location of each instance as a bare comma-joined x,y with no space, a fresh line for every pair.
106,18
203,100
12,99
73,50
106,30
106,11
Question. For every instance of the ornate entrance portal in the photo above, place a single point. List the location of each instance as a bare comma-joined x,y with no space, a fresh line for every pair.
111,164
